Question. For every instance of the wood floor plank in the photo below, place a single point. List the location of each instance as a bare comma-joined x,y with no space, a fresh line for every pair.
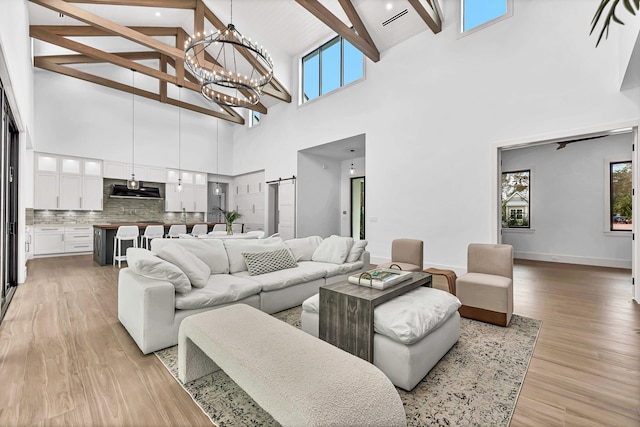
65,360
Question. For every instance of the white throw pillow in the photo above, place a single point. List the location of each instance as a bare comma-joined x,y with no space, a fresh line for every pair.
146,264
356,250
266,262
211,251
303,248
333,249
196,270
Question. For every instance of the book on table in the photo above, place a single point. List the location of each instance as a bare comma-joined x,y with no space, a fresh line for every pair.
380,278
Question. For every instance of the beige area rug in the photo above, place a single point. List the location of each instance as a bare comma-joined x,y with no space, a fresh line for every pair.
476,383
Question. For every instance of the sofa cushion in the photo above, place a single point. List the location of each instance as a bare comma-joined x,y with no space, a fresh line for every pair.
303,248
235,248
146,264
336,269
220,289
211,251
304,272
334,249
196,270
266,262
356,250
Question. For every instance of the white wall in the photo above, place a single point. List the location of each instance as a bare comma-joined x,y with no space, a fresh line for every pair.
432,110
83,119
569,203
318,187
17,78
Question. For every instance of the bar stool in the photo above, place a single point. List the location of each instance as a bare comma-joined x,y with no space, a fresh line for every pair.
199,230
125,232
176,230
151,232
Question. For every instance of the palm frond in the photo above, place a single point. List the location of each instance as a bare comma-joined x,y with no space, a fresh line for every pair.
611,15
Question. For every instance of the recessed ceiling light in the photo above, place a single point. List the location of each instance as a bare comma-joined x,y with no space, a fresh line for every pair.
158,14
389,6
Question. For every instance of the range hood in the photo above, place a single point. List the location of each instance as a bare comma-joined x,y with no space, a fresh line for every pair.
120,191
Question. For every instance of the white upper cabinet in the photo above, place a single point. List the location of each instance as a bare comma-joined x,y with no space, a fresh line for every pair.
67,183
117,170
46,163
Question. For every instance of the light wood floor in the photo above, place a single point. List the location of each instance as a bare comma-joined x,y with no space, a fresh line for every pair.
66,360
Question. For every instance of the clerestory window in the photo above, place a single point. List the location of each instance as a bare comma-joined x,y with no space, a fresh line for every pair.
478,14
335,64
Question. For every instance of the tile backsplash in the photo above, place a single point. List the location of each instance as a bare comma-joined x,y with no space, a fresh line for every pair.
115,209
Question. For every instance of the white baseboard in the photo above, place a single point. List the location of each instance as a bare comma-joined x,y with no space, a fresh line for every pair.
571,259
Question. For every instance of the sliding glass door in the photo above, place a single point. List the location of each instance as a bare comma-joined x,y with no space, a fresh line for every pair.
9,156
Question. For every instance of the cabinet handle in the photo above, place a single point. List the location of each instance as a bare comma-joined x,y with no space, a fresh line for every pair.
80,202
57,201
100,203
62,237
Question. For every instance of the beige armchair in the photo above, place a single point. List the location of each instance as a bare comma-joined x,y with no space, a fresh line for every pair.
486,290
407,254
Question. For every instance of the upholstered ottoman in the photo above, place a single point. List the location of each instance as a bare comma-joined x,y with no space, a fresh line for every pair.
412,332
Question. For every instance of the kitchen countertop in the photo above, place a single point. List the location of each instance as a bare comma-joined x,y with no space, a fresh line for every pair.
114,226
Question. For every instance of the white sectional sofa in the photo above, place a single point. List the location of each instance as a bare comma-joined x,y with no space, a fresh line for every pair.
181,277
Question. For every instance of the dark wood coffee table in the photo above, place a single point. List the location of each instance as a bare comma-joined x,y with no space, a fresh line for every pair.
346,312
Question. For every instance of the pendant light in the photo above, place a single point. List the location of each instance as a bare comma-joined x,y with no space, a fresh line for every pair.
217,191
133,183
179,187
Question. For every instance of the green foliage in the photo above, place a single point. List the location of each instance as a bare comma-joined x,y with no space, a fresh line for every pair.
630,5
621,188
232,216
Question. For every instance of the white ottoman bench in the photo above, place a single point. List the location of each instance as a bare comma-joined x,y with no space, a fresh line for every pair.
298,379
412,332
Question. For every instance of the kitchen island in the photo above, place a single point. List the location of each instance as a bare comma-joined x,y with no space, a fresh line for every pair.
103,235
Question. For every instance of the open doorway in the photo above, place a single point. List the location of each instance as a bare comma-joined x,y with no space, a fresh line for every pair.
563,200
217,201
357,208
282,207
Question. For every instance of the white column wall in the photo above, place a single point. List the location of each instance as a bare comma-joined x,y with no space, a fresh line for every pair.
433,109
16,74
318,188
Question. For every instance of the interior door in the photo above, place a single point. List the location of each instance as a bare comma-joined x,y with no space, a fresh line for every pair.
287,209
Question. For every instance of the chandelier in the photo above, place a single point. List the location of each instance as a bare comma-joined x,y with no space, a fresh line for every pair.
228,77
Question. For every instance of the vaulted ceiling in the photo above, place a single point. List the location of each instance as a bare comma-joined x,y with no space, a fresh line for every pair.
148,36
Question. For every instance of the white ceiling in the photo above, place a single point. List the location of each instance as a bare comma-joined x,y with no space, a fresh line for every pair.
283,24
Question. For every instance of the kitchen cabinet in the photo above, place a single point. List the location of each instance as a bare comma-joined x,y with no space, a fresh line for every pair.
92,193
67,183
60,240
45,191
248,198
48,240
78,239
117,170
192,198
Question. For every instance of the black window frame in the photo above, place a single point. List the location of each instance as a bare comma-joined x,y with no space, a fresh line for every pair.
612,214
318,51
505,214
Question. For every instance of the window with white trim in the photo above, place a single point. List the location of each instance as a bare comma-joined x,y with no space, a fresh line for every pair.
335,64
